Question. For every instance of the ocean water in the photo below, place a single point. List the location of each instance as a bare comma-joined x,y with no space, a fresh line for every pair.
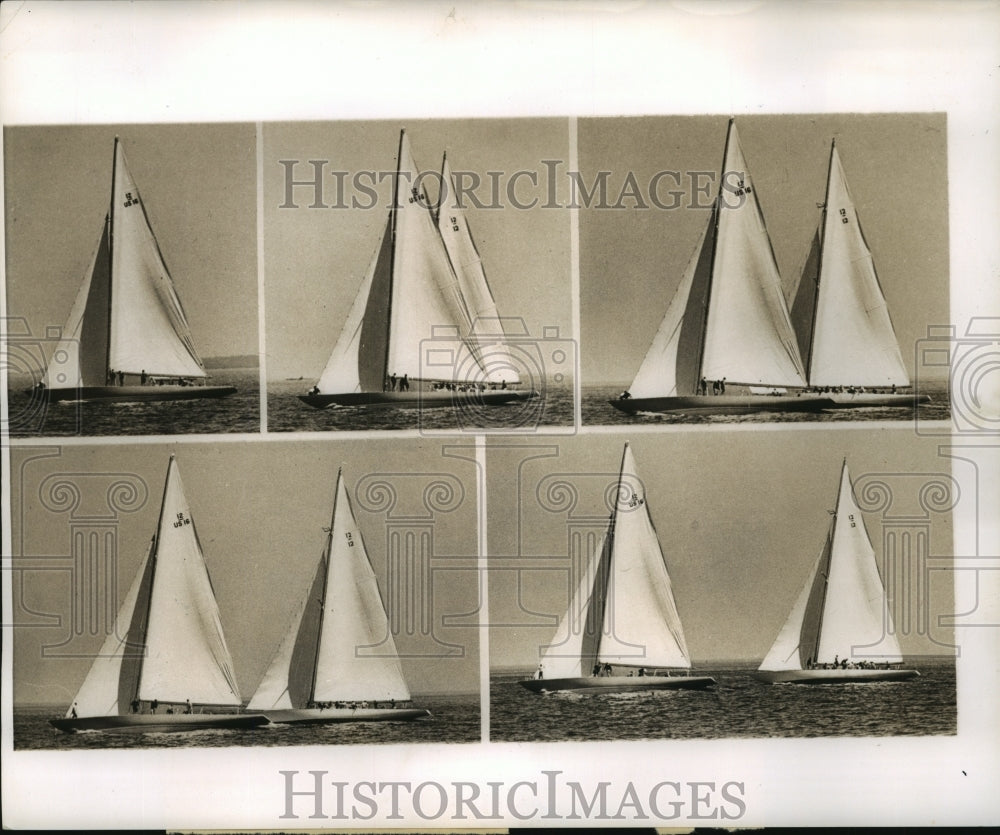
596,410
453,718
738,706
239,412
286,413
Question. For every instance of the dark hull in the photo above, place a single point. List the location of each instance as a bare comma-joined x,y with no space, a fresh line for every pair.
838,676
132,394
724,404
145,723
871,400
617,684
321,716
417,399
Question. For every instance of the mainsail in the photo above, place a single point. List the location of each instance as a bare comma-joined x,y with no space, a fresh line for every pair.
127,315
625,593
424,292
728,319
839,307
841,613
167,644
339,647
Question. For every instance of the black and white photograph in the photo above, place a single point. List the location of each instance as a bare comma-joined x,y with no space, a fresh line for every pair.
823,313
131,279
418,295
480,416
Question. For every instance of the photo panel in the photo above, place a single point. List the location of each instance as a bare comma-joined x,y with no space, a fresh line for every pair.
418,275
252,594
131,279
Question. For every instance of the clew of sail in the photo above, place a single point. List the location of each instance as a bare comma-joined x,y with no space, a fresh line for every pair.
749,337
149,331
641,622
487,329
853,341
427,298
187,657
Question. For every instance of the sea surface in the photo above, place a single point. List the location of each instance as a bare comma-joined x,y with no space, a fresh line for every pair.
239,412
596,410
454,718
286,413
738,706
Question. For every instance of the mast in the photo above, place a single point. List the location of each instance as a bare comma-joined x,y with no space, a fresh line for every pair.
603,574
152,580
322,606
819,265
715,243
392,261
442,190
111,259
826,569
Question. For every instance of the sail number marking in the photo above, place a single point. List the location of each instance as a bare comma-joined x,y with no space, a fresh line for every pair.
130,200
843,215
350,539
850,519
181,520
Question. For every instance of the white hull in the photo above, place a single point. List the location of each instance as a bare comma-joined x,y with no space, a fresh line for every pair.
618,684
147,723
837,676
331,715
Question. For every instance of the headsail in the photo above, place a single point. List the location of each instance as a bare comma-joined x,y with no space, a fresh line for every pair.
187,656
749,337
853,341
487,329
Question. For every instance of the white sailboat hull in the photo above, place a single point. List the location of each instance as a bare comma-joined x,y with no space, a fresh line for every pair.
837,676
133,394
146,723
332,715
417,399
724,404
618,684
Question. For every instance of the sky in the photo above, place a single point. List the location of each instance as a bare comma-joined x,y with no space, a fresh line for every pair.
198,183
631,260
741,517
316,258
260,510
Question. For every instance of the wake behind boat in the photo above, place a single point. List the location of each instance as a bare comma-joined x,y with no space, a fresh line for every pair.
127,337
726,344
338,660
840,312
622,624
423,330
165,666
840,629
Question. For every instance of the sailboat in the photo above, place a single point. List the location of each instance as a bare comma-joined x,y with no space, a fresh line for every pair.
338,661
727,326
840,312
622,631
423,329
166,666
840,628
127,337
